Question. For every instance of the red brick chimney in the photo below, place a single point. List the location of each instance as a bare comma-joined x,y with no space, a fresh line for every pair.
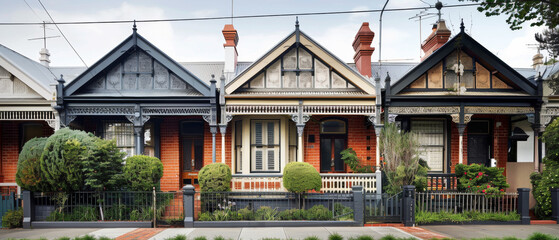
436,39
363,49
230,46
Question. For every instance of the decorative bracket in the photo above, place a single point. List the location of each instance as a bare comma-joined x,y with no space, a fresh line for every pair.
371,119
456,118
51,123
392,118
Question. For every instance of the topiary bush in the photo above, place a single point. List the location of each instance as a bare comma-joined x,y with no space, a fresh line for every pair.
215,177
142,173
28,174
299,177
549,178
103,166
481,179
61,160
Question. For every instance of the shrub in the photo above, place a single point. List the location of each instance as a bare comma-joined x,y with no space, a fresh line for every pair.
549,178
342,212
481,179
350,158
205,216
401,158
29,175
103,165
142,173
61,161
292,214
319,212
335,236
300,177
266,214
246,214
215,177
541,236
13,219
312,238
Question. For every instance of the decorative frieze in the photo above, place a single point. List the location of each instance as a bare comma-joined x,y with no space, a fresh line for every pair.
94,110
548,114
456,118
260,109
498,110
26,115
339,109
175,110
423,110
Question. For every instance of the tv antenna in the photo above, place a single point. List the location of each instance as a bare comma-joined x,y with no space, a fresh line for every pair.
420,16
44,38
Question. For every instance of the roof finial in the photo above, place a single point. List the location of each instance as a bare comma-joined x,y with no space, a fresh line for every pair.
297,30
134,26
297,22
439,6
462,25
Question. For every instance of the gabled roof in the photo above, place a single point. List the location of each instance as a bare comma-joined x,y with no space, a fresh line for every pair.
466,43
349,73
135,41
32,73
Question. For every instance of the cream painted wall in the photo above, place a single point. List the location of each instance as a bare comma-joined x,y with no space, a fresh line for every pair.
525,149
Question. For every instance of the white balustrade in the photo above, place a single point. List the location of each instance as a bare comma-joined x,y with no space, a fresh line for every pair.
331,183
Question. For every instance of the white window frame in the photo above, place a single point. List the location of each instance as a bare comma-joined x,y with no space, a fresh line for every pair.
424,147
264,148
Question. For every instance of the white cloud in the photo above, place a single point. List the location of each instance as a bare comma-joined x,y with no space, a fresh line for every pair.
517,53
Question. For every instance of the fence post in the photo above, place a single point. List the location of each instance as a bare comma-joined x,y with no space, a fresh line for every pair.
28,209
555,204
378,179
188,204
358,205
523,205
408,206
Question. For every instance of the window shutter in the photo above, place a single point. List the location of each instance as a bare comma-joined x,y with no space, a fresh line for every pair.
258,163
270,133
271,160
258,133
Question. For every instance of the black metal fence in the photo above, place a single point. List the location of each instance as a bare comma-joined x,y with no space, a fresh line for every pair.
457,202
269,206
161,207
383,207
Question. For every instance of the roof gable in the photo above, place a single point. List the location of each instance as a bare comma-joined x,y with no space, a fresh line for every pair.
32,74
137,68
298,63
463,62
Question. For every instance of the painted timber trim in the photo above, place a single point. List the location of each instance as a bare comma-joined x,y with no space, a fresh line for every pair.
347,72
118,52
477,49
47,94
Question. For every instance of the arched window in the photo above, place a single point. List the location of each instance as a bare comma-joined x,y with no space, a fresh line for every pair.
333,126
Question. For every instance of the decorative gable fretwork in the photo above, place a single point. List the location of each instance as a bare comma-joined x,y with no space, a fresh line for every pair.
306,109
298,69
139,72
459,70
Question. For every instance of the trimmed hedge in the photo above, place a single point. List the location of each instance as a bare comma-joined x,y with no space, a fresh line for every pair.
215,177
142,173
28,174
300,177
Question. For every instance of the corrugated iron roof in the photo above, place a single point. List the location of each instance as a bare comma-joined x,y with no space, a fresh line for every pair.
34,70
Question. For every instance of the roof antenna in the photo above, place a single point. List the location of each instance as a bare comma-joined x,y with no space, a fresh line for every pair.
462,25
439,6
232,12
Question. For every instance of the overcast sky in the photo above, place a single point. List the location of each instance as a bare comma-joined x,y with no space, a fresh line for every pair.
203,40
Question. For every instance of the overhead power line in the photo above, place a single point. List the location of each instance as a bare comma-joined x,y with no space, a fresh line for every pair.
237,17
62,33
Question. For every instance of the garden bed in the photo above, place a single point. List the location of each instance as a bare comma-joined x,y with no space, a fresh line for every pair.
97,224
302,223
466,218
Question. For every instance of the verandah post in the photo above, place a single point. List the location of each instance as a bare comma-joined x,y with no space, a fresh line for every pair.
524,205
358,205
188,192
555,204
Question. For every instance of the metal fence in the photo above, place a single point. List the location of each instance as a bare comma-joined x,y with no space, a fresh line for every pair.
456,202
266,206
383,207
442,182
162,207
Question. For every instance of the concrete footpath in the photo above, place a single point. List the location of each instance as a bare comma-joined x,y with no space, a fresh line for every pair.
482,231
209,233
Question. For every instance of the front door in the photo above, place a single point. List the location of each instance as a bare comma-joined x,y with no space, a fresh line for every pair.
479,142
192,150
330,157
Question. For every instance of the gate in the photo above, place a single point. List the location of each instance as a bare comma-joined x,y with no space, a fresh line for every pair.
383,208
8,202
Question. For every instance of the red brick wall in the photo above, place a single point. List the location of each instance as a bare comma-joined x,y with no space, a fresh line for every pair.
356,139
9,147
500,140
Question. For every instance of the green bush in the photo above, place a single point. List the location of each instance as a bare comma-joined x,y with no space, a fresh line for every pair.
319,212
342,212
300,177
481,179
205,216
350,158
335,236
142,173
312,238
215,177
541,184
541,236
292,214
13,219
246,214
466,216
103,165
29,175
266,214
61,161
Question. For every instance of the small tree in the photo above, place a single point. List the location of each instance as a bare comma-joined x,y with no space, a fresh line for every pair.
215,177
103,165
142,173
300,177
350,158
549,178
29,175
401,155
61,161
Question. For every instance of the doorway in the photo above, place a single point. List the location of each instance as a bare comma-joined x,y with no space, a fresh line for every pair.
191,150
333,140
479,142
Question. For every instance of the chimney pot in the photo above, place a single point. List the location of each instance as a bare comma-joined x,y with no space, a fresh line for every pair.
436,39
230,47
363,49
